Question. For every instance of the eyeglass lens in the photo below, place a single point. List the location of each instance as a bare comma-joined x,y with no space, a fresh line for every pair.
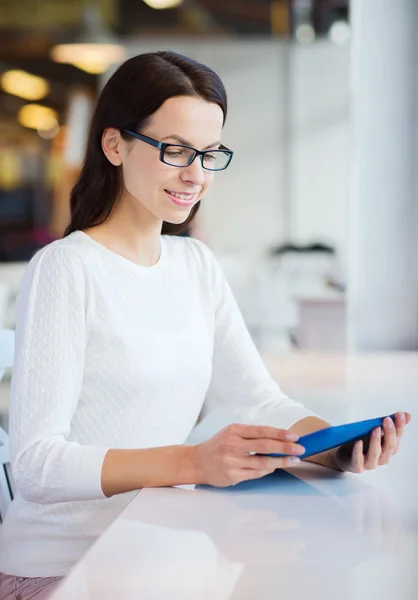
178,156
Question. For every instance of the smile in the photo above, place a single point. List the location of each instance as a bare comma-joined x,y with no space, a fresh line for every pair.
181,199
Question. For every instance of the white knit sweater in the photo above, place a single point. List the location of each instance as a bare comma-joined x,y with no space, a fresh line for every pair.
110,354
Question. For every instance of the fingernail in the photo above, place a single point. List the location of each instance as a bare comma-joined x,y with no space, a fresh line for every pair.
377,432
402,416
389,422
293,460
292,437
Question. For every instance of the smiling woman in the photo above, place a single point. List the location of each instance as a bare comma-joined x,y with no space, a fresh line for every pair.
126,335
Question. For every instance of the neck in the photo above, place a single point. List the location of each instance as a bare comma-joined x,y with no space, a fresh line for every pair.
135,236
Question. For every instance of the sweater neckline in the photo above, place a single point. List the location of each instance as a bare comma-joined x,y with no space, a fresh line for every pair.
143,269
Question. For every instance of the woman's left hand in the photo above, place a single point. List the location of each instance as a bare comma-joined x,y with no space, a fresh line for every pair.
383,445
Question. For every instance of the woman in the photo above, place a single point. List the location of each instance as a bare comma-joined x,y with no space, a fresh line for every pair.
127,334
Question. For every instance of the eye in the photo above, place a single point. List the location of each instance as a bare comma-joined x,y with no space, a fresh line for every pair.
174,153
210,157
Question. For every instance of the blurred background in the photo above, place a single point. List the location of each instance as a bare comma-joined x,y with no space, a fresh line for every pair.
315,223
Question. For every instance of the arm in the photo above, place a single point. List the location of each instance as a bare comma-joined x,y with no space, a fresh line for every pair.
240,381
51,315
128,470
51,335
241,384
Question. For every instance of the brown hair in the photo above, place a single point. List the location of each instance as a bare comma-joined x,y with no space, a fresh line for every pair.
128,100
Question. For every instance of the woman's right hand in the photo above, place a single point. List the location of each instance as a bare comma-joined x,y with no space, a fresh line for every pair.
226,459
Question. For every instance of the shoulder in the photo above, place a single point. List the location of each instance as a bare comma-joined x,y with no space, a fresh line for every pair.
196,253
61,258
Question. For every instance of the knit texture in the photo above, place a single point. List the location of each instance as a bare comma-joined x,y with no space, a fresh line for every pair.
110,354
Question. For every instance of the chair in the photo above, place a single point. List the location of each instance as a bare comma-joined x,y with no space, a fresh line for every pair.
7,346
6,478
11,275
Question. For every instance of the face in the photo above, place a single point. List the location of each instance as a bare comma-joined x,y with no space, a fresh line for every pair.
161,191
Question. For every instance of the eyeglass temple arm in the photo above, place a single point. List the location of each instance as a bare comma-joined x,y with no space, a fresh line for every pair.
145,138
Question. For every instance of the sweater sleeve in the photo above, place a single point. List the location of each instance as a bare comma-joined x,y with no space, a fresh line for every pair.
241,383
51,312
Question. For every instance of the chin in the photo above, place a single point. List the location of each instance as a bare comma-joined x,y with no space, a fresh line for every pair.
174,221
178,217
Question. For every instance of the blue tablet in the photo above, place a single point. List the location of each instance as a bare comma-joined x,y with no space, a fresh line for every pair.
332,437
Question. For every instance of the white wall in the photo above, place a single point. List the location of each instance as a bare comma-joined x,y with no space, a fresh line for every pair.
383,281
319,152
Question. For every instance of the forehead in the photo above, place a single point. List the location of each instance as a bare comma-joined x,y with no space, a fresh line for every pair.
194,119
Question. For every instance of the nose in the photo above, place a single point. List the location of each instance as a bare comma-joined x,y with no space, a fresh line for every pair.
194,173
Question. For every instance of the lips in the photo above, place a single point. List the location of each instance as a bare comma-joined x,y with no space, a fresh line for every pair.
185,196
181,198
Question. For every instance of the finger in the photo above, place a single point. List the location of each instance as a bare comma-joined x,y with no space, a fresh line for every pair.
408,418
390,441
248,474
251,432
268,446
371,460
400,423
267,463
357,458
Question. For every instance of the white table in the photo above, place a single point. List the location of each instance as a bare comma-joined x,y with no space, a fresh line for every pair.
306,533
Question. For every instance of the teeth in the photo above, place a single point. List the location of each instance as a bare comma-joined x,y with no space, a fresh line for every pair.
182,196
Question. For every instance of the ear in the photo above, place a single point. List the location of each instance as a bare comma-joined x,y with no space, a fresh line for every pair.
113,146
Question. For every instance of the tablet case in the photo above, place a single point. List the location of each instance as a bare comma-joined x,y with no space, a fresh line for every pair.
332,437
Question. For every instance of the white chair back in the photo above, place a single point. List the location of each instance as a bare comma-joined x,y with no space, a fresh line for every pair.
7,348
6,478
11,275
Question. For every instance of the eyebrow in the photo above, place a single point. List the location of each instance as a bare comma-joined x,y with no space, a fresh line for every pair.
186,143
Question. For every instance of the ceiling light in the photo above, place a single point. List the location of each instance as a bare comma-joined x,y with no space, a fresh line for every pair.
10,169
339,33
22,84
161,4
49,134
305,34
38,117
94,50
93,66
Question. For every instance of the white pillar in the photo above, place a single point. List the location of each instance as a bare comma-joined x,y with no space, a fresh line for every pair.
383,224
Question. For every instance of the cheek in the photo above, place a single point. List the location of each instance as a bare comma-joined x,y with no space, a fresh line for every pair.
209,177
144,175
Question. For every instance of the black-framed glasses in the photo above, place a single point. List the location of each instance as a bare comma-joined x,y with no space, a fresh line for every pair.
179,155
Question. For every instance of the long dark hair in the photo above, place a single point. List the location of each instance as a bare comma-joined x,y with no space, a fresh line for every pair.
131,96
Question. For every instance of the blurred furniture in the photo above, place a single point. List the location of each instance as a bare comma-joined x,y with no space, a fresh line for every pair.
6,361
287,298
322,322
11,275
315,533
6,479
7,347
4,402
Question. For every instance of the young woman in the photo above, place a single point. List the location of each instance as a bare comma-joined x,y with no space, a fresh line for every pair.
127,334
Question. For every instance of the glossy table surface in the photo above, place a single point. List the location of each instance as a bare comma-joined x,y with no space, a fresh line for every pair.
304,533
